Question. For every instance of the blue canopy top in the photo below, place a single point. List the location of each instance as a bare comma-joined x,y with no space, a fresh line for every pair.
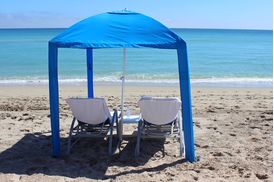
118,29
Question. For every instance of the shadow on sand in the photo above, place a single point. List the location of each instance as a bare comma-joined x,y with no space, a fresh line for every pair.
88,158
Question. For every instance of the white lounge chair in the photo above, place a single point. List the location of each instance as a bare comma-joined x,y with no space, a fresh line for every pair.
93,120
160,118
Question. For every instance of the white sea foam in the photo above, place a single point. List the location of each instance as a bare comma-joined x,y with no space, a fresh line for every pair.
233,82
204,82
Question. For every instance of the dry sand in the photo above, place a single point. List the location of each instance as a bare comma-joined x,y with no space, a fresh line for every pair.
233,138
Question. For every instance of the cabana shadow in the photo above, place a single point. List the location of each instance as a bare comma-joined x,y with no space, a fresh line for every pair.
88,158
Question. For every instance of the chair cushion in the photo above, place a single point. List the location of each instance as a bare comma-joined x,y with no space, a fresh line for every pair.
91,111
159,111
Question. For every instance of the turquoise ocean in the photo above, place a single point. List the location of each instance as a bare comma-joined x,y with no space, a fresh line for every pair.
225,58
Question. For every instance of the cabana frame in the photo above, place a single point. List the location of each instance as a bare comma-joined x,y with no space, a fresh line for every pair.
183,68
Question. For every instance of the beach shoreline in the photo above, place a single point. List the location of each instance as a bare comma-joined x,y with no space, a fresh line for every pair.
229,82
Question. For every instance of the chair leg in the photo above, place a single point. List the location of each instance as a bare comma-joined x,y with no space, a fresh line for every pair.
119,141
110,141
117,127
181,137
137,148
111,133
70,135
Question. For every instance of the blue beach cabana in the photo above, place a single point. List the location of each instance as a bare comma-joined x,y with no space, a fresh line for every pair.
119,29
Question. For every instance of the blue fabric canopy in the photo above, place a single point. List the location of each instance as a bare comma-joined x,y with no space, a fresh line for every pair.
119,29
125,29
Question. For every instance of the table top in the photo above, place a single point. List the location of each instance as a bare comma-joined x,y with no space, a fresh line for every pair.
131,119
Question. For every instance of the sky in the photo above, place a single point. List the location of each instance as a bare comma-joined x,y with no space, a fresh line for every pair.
221,14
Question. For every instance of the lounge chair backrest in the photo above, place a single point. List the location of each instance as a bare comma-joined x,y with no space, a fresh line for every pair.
92,111
159,111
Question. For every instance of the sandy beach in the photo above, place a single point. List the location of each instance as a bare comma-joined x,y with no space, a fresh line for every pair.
233,138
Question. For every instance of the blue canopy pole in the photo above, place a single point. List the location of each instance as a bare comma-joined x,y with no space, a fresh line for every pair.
185,92
90,73
54,99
